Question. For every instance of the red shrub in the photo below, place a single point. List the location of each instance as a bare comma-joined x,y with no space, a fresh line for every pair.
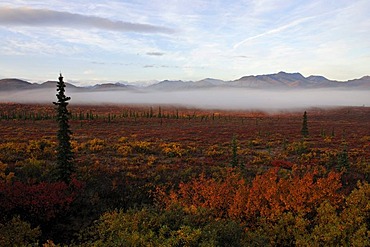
42,200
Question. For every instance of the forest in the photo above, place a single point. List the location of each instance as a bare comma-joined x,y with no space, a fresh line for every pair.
158,175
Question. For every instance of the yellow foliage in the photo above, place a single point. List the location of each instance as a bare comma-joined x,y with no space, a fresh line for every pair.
327,139
124,150
141,146
94,145
151,160
75,146
41,149
173,149
123,139
297,147
256,142
214,150
328,229
11,151
261,158
365,139
3,176
18,233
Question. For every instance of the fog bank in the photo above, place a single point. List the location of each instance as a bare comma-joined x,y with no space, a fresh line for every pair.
210,98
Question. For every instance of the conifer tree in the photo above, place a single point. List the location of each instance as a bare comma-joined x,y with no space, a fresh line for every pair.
304,130
65,167
342,159
234,152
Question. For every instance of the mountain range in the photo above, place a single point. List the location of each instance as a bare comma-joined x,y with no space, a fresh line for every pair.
281,80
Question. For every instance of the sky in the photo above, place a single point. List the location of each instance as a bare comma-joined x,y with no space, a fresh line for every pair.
92,41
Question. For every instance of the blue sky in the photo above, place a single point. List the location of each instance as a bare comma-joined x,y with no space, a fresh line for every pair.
93,41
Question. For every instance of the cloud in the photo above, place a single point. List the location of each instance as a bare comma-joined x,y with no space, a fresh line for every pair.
275,30
45,17
155,53
242,56
160,66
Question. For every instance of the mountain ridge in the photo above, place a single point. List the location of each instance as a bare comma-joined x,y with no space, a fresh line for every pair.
280,80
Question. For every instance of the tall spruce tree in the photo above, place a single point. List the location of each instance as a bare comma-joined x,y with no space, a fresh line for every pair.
304,130
65,166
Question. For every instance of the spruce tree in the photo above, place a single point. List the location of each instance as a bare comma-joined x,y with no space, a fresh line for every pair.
64,166
304,130
234,152
342,160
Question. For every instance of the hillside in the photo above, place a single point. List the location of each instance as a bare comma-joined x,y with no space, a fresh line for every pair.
14,84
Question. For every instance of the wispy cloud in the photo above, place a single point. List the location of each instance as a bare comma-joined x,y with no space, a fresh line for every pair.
155,53
275,30
149,66
45,17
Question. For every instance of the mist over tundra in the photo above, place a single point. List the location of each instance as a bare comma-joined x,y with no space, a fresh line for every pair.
233,99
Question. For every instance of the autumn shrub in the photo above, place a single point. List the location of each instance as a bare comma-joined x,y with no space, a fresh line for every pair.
327,157
173,149
356,216
41,149
282,163
223,233
214,151
124,149
301,208
257,142
141,147
39,202
267,196
94,145
298,147
328,139
287,230
12,152
331,225
133,228
76,146
17,232
213,194
151,160
362,165
5,175
33,169
154,227
261,158
176,227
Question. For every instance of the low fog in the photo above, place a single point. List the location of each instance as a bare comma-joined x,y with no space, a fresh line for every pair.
233,99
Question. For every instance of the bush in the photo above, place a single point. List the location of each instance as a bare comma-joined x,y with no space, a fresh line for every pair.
18,233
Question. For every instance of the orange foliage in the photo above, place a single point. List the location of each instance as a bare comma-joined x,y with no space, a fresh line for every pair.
268,195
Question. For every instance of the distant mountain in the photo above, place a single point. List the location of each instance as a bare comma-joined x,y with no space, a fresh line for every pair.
281,80
110,87
14,84
172,85
185,85
52,84
210,82
317,79
17,85
363,82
